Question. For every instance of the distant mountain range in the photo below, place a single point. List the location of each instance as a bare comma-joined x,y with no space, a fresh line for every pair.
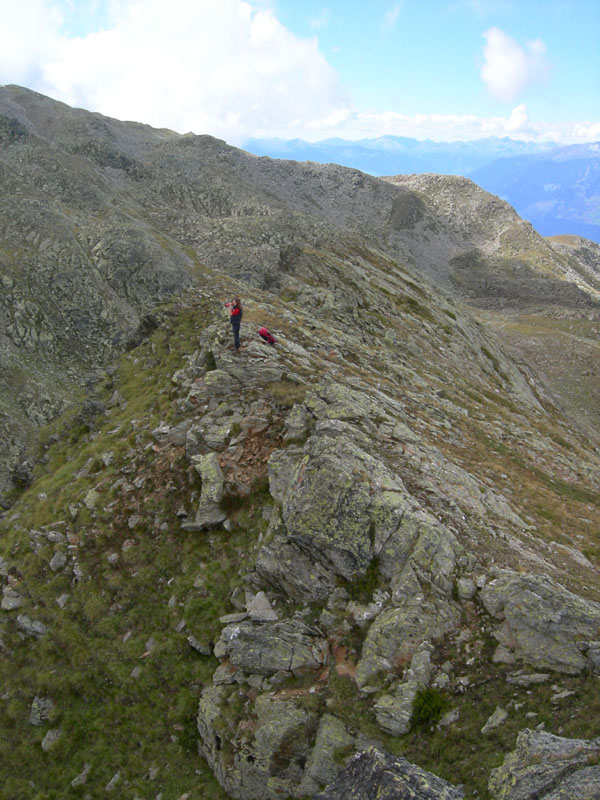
394,155
556,188
558,191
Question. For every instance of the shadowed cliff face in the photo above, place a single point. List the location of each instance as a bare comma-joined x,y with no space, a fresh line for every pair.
288,554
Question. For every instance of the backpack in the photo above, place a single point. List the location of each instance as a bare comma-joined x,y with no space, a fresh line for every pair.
266,336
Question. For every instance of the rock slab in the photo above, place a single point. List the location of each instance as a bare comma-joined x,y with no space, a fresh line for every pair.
548,767
375,775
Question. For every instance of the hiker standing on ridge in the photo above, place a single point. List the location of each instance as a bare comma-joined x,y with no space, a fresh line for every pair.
235,317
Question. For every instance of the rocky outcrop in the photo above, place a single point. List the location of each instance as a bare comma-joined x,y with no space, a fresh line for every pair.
342,514
208,513
398,633
344,518
548,767
273,761
280,647
543,623
373,775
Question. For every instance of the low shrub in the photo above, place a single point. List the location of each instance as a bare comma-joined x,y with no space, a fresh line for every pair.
429,706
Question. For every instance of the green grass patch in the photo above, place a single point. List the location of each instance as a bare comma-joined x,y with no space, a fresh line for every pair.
409,304
287,393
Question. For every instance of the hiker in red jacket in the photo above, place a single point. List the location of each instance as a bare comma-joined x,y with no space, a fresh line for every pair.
235,317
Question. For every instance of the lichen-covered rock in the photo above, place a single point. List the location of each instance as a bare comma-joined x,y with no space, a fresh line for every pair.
397,634
50,739
326,509
217,434
471,495
394,711
297,422
267,648
218,383
11,599
342,505
31,627
332,739
548,767
497,718
209,513
194,441
208,723
374,775
41,710
91,499
336,401
58,560
425,546
340,508
282,466
546,625
266,760
260,608
289,569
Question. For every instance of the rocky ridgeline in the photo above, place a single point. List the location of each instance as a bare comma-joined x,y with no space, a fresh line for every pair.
414,523
385,543
343,513
103,220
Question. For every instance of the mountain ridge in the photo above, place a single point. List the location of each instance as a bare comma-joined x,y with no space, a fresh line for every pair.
373,534
255,239
544,182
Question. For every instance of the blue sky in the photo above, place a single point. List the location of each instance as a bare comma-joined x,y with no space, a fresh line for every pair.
439,69
425,56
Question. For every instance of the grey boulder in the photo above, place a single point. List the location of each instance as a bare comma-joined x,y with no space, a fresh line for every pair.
548,767
374,775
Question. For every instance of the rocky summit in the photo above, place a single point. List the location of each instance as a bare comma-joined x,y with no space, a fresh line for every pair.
360,562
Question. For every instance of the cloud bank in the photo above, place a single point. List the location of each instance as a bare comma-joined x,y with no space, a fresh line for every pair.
459,127
229,68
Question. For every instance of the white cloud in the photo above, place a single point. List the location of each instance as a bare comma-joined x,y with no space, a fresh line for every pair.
457,127
28,35
519,119
509,68
225,67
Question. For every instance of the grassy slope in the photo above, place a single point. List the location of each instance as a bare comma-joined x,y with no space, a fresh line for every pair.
565,353
110,719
